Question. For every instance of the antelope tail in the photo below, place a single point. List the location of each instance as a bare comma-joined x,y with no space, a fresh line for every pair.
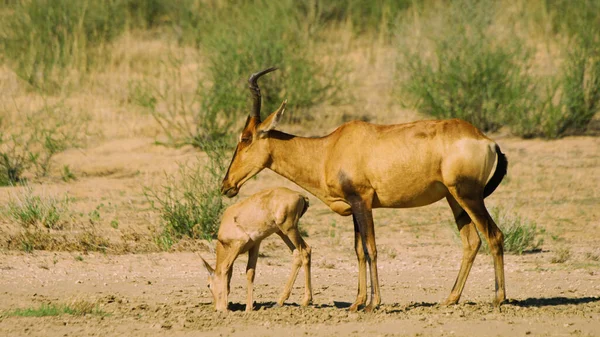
499,174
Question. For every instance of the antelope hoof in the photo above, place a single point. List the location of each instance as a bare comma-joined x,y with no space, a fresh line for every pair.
354,306
306,302
280,303
371,307
450,301
498,303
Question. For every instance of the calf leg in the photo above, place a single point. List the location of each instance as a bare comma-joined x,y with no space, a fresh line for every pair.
250,273
302,256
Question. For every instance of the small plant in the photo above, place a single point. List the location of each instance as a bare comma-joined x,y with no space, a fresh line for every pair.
191,205
79,258
78,308
94,216
67,175
333,233
561,255
35,211
520,235
592,256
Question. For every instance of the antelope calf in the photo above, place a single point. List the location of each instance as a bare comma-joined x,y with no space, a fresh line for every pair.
244,225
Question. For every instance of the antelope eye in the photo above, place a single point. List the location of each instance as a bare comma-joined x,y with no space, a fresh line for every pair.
246,140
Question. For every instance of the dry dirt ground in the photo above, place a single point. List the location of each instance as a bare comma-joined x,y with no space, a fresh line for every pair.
555,184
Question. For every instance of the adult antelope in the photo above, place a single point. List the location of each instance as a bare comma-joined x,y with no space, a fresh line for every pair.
361,166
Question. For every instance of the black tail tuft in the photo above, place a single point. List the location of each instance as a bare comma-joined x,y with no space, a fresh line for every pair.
306,204
499,174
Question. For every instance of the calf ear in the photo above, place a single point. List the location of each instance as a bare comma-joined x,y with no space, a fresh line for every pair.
270,122
209,269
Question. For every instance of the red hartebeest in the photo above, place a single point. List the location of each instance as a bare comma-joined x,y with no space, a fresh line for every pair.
361,166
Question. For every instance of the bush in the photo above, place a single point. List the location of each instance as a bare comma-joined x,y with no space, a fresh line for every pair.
176,108
520,235
191,206
32,145
43,39
240,39
31,210
469,74
466,69
365,16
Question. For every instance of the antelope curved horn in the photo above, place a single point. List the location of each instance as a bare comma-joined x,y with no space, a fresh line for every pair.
255,90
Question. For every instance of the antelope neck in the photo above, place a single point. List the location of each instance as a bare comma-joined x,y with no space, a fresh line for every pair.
299,159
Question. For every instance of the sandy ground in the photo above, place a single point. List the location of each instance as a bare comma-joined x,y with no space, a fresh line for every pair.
554,184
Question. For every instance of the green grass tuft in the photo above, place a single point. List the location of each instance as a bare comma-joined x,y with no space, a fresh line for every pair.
79,308
520,234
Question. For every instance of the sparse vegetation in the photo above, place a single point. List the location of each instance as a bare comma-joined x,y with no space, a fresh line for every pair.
520,234
43,220
34,211
45,41
78,308
484,75
30,144
191,204
561,255
468,73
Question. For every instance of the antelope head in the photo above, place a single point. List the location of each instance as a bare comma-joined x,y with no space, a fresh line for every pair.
252,152
219,287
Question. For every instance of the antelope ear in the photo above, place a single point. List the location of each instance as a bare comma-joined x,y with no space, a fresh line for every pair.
270,123
209,269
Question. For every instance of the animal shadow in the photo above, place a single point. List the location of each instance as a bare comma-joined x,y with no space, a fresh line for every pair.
551,301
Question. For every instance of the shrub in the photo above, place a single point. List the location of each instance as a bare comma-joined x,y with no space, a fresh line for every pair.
237,40
240,39
30,146
466,72
520,235
176,108
465,68
43,39
78,308
31,210
561,255
365,16
191,206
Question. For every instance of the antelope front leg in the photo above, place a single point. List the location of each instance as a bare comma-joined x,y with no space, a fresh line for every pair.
361,296
250,272
364,217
